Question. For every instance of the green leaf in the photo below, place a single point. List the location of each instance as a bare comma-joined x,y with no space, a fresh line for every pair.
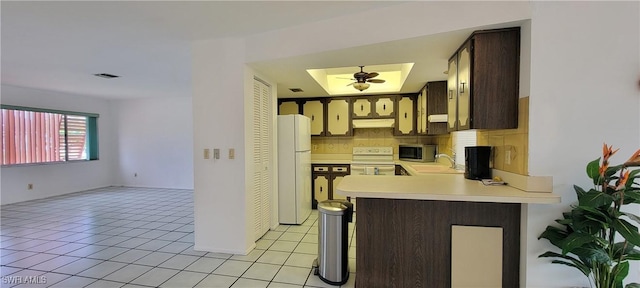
579,191
595,198
574,262
577,239
585,272
620,272
632,285
595,254
589,220
627,230
631,196
593,170
555,235
594,212
629,252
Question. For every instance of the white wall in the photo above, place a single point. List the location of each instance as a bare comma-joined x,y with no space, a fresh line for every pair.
154,141
584,91
56,179
222,220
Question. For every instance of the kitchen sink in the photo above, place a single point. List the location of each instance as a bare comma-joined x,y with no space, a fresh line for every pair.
426,168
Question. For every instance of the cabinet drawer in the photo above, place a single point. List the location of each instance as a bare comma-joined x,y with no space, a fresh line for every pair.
343,169
320,168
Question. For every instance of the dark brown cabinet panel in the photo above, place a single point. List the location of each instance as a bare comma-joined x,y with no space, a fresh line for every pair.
436,104
407,243
484,81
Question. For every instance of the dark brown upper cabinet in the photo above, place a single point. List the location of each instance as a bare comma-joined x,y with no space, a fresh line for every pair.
436,96
483,83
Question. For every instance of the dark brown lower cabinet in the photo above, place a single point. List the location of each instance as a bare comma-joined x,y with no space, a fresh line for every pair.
407,243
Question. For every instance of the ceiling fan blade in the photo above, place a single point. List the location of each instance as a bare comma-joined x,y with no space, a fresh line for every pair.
345,78
372,75
375,81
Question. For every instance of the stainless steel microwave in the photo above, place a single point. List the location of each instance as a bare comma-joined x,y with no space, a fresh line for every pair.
417,152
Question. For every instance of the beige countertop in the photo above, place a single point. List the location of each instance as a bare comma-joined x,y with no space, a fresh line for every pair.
432,186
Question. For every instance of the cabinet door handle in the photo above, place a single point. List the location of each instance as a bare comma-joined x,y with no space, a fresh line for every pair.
312,117
320,188
405,115
384,107
450,94
338,117
462,88
361,107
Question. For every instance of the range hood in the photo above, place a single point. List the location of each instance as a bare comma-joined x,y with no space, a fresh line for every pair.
373,123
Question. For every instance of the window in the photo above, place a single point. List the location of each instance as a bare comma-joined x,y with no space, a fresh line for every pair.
32,135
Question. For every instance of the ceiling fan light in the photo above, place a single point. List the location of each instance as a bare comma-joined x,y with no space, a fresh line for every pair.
361,86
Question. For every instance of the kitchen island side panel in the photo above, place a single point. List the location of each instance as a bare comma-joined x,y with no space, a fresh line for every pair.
407,243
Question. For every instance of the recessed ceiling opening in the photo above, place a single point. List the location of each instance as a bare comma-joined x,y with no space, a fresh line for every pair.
339,81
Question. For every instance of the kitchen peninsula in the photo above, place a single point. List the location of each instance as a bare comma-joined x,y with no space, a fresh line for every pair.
437,230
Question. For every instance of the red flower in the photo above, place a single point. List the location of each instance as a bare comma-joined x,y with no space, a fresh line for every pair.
607,152
623,180
634,160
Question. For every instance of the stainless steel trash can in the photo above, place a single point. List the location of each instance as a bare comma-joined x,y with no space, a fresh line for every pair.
332,265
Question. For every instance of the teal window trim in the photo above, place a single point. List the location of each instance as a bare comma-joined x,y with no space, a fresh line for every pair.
11,107
92,138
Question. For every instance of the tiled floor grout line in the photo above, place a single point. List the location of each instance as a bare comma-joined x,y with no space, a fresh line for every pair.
103,230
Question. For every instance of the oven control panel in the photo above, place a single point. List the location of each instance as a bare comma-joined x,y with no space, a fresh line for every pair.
372,150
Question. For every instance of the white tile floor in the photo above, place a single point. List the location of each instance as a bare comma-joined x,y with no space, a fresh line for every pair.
139,237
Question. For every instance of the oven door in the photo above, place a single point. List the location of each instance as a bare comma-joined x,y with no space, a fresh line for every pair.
373,169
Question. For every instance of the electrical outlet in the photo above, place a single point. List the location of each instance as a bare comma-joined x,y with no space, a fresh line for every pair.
207,153
29,186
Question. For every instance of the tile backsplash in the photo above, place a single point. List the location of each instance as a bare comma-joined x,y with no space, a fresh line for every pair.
365,137
506,142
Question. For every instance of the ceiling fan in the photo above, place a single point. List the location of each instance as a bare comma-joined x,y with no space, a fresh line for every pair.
363,79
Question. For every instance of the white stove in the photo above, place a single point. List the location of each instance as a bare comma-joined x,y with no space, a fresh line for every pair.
372,161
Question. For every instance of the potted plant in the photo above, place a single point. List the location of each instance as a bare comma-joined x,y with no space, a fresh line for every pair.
597,237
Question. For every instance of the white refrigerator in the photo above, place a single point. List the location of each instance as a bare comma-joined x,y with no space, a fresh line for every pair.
294,168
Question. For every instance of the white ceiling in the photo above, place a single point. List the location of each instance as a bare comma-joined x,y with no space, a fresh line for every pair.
60,45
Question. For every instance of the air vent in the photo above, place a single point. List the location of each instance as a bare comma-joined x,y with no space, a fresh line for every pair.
296,90
106,75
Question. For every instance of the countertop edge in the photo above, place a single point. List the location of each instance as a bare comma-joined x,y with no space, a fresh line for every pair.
430,188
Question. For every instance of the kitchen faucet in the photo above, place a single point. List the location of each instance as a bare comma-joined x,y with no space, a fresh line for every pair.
453,162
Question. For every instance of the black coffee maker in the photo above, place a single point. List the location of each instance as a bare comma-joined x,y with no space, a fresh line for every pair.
477,161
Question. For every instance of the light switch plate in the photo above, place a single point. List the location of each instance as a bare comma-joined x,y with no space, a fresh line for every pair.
216,153
507,157
207,153
232,153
